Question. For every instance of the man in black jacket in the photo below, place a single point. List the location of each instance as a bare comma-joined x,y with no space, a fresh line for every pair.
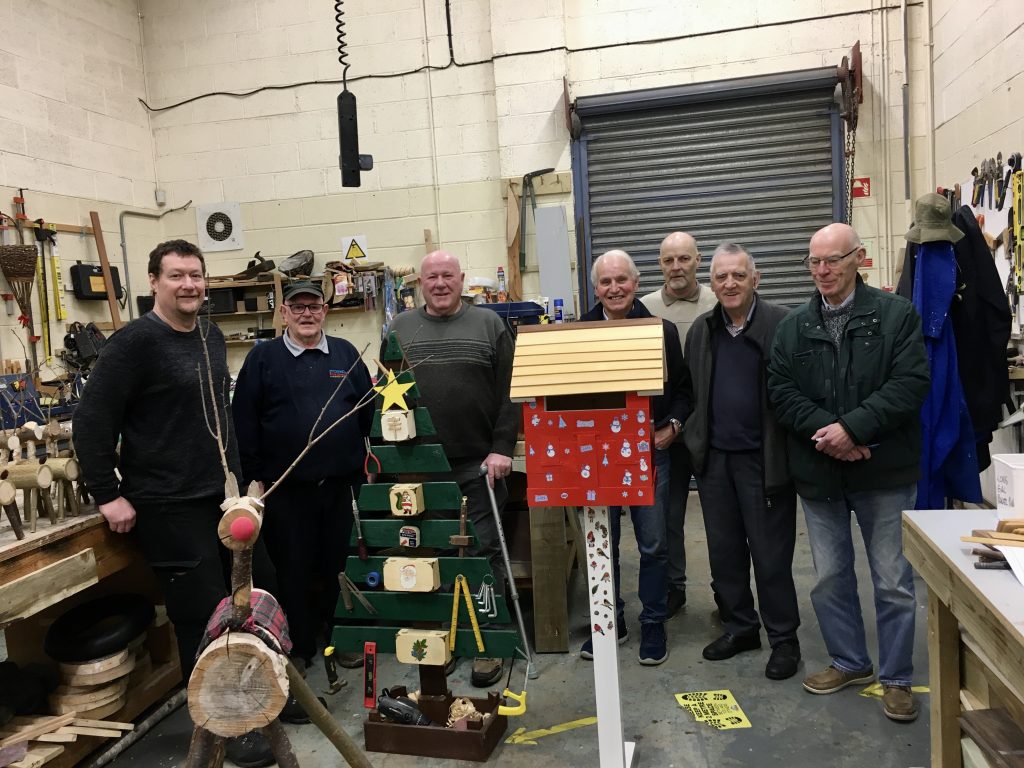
616,279
149,389
738,452
283,398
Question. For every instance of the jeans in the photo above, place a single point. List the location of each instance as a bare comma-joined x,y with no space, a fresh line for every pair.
835,598
649,528
745,525
675,515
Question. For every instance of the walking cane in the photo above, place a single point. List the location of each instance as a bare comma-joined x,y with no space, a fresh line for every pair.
531,668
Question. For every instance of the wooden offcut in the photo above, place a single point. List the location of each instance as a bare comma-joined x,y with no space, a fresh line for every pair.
238,684
587,358
47,586
998,736
376,497
108,279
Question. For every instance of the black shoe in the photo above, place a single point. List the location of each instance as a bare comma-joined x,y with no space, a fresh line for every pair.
676,601
293,713
250,750
728,646
486,672
784,660
350,660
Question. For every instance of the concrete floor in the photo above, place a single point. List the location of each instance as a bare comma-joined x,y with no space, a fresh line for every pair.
841,730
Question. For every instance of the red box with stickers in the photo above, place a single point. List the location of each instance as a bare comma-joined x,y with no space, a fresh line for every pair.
577,456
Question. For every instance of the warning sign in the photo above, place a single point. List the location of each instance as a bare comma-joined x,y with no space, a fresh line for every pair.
862,186
354,247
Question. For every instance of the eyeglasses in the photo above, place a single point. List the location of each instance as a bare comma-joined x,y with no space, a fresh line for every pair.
301,309
813,262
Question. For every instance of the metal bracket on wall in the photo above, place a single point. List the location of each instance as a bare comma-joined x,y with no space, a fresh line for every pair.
559,183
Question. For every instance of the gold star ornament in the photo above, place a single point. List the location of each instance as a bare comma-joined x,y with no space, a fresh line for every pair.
393,392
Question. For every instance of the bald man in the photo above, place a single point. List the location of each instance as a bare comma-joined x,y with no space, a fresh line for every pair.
680,300
848,376
463,358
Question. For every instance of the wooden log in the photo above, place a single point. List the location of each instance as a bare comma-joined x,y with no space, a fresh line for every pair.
31,507
46,505
240,524
28,474
72,498
241,584
7,501
65,469
280,746
60,503
206,750
238,684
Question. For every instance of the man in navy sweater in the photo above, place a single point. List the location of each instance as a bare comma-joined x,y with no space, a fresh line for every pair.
282,390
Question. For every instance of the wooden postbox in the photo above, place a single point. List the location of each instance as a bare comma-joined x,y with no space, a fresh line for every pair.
586,389
411,574
407,499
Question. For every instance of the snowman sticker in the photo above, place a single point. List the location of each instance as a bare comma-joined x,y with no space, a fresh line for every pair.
616,426
626,450
641,417
535,420
643,464
627,479
585,472
550,451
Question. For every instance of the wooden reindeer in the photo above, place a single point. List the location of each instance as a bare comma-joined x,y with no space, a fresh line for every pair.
240,682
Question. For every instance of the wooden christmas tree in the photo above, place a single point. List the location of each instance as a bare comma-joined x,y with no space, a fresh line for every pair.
423,608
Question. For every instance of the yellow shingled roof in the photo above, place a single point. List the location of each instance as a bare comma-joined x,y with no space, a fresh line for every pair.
585,358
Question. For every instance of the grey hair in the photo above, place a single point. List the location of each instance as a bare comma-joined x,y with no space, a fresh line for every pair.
732,249
633,271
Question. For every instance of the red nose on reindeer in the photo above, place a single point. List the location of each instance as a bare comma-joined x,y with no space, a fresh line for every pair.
242,529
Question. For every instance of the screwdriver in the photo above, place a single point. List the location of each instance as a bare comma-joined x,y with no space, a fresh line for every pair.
363,554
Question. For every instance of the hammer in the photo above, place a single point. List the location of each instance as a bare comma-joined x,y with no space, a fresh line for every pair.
462,540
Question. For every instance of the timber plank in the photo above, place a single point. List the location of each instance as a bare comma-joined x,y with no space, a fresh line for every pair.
427,607
31,593
503,643
530,390
384,533
411,458
998,736
547,547
374,497
38,755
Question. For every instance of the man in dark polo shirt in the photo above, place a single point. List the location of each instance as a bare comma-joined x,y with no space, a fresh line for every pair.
739,457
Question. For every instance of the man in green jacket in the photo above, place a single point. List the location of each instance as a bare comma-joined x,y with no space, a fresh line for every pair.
848,375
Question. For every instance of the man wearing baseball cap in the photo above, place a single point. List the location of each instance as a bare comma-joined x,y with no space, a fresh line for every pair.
283,398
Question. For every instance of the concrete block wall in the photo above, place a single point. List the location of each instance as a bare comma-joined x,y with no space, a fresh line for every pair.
978,81
443,141
70,121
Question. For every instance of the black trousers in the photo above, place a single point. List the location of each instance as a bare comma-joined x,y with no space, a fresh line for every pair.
675,516
307,527
744,525
179,540
466,472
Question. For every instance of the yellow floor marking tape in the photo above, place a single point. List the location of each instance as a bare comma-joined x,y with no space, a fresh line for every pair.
523,736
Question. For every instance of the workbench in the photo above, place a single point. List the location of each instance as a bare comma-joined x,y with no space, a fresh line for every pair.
104,562
975,625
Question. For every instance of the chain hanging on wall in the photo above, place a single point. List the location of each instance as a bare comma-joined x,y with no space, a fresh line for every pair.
850,88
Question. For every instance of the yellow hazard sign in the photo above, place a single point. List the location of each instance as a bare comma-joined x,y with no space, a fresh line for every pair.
719,709
354,247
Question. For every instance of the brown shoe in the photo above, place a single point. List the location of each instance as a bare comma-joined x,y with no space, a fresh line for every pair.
486,672
831,680
898,703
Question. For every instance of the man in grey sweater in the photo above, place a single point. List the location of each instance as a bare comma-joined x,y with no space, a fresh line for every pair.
463,358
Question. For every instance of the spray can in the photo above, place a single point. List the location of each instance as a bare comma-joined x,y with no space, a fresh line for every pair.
501,278
559,306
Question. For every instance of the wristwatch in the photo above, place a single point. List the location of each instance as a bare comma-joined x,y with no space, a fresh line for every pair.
677,425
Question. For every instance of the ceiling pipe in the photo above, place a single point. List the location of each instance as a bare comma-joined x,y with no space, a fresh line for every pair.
124,247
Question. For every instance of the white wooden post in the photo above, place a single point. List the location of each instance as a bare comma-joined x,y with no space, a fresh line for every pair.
614,752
